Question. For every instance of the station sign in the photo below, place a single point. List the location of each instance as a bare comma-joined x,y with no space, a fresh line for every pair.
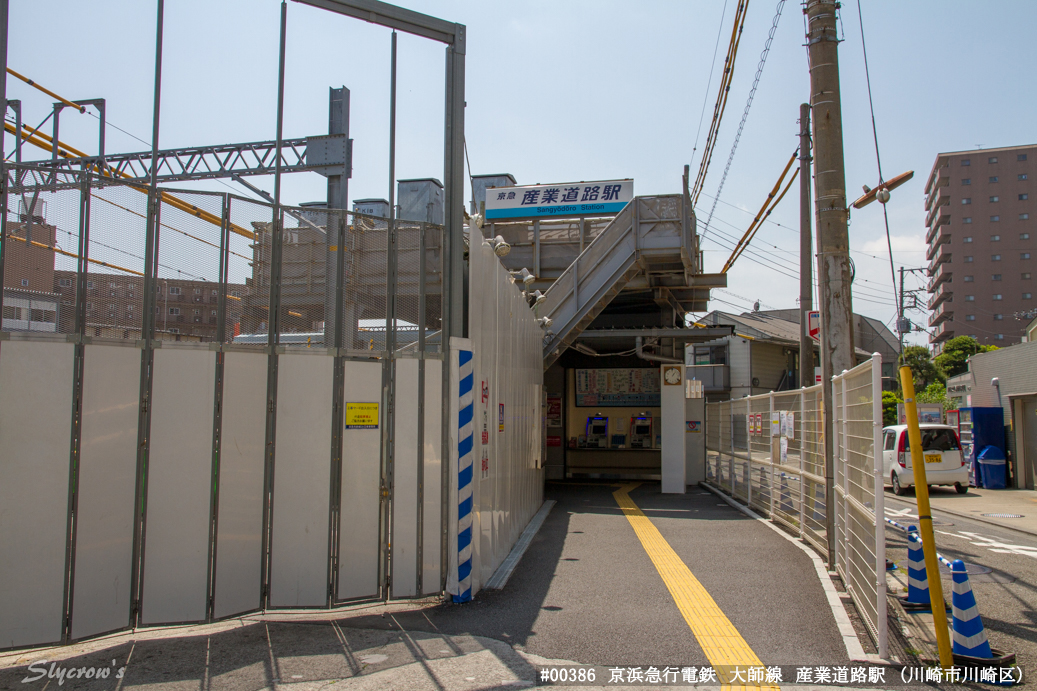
566,200
814,324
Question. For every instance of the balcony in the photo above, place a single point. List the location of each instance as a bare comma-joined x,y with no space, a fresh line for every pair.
940,177
941,218
938,237
940,256
940,276
943,332
942,293
938,197
942,313
714,378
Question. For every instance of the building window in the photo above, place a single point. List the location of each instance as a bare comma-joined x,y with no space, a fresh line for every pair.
966,181
1024,217
197,291
129,308
90,285
967,238
993,178
995,238
174,311
1023,197
968,258
214,292
197,312
999,337
214,313
995,257
970,298
970,317
89,306
995,277
995,219
25,283
174,331
996,296
1024,236
998,317
64,282
968,279
967,219
1024,255
966,162
174,290
235,293
966,200
1027,296
1021,176
1020,157
994,199
992,159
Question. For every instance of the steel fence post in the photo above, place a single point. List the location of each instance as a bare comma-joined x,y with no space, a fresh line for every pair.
748,456
802,460
770,443
844,461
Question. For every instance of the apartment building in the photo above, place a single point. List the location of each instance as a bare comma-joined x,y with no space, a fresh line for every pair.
981,221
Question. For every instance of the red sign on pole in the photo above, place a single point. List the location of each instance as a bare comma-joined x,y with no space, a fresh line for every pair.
814,324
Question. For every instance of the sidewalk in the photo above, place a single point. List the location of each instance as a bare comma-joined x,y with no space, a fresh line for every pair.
977,502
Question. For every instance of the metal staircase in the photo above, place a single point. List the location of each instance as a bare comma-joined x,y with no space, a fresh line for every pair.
650,244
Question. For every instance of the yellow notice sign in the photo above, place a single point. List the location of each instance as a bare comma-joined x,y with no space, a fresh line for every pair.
361,416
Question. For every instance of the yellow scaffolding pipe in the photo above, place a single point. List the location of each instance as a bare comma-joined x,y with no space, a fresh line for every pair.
75,256
81,109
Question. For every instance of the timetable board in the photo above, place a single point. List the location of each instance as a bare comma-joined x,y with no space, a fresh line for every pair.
619,387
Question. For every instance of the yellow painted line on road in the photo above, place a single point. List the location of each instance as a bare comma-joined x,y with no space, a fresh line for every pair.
724,647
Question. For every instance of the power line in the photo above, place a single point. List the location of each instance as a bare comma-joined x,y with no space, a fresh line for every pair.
748,104
709,82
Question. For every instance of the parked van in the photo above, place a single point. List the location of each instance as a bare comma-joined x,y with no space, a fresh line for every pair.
944,462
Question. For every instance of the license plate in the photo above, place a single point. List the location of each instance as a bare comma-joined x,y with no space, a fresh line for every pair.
933,458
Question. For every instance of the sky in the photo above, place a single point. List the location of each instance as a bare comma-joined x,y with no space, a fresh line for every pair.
565,91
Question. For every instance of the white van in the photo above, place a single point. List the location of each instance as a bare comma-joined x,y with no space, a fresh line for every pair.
944,462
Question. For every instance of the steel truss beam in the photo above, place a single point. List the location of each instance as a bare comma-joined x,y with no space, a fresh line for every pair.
327,155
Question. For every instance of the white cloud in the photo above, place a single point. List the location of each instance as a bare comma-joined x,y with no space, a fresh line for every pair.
900,243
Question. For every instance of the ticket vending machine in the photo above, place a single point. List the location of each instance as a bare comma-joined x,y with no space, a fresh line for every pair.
597,432
641,432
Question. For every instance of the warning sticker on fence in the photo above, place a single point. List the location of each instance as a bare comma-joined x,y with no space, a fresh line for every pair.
361,416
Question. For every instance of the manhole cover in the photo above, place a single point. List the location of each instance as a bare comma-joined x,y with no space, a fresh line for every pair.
1002,515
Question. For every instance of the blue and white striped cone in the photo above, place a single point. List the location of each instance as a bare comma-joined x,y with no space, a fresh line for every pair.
917,579
465,456
786,496
970,638
819,501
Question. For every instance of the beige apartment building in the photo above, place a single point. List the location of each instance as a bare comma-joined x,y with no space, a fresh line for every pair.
981,220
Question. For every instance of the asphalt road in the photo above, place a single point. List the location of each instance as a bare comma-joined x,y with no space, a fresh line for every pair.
1007,596
587,591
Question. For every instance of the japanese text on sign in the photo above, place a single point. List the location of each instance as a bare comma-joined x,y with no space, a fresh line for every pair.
361,416
569,199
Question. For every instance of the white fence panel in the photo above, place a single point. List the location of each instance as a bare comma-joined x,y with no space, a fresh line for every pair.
34,464
432,526
405,481
176,552
107,479
299,532
358,536
239,533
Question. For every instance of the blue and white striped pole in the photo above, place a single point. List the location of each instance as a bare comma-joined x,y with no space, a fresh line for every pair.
465,429
970,638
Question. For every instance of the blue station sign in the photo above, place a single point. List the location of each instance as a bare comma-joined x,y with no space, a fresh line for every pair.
601,198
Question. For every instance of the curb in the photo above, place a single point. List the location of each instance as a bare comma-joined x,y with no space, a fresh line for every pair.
978,519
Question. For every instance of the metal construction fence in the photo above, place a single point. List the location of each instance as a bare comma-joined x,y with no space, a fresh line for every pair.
768,451
209,408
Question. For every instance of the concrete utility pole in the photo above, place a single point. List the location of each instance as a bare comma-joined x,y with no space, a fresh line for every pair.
900,317
806,287
833,240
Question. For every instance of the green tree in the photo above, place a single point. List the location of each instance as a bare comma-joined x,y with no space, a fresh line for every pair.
889,408
935,393
954,358
923,369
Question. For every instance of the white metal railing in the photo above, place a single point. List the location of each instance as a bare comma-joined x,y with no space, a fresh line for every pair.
769,452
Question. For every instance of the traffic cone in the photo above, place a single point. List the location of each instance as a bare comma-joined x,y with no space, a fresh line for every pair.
786,496
917,599
970,638
819,501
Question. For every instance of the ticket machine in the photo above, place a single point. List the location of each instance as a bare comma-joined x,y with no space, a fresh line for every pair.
597,432
641,432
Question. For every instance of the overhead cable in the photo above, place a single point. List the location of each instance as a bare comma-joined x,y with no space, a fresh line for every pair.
721,104
765,210
748,104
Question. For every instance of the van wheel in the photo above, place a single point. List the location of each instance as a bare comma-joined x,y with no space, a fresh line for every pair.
898,489
960,488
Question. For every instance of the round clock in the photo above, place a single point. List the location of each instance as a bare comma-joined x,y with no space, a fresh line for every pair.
672,375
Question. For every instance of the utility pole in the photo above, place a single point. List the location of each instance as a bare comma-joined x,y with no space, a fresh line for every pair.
806,288
833,241
901,320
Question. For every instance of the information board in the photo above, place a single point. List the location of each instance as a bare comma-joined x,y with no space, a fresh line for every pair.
620,387
361,416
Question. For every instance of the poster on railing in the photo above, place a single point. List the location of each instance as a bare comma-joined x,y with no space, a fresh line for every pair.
619,387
